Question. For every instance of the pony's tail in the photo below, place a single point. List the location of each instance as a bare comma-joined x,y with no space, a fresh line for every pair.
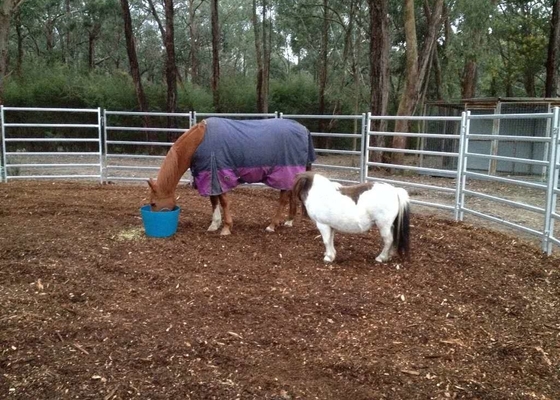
301,187
401,226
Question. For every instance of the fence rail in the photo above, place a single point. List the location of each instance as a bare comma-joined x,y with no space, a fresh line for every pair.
121,146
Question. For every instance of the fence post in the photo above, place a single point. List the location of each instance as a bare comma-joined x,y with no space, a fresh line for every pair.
366,146
552,182
100,129
3,169
462,166
365,143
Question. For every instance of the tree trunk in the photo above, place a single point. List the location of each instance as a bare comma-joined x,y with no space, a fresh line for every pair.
416,71
323,141
468,83
19,59
438,74
215,55
133,61
267,35
170,65
529,83
552,59
194,42
7,8
259,57
66,54
379,66
349,64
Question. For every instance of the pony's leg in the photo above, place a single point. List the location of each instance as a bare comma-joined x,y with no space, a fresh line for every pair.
387,235
228,221
216,214
282,202
328,240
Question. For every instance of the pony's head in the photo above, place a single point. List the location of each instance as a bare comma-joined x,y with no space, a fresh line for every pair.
160,200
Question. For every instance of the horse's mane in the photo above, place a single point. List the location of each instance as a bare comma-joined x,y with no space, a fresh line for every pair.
169,172
178,158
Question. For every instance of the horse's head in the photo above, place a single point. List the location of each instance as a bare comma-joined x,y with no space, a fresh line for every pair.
160,200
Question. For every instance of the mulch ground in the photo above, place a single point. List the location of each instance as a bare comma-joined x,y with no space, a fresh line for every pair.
91,308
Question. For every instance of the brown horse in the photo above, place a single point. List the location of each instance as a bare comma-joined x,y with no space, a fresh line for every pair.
224,153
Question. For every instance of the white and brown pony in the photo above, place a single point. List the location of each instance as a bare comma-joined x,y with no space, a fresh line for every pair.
354,209
223,153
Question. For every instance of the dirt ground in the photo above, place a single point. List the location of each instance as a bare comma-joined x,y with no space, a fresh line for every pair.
91,308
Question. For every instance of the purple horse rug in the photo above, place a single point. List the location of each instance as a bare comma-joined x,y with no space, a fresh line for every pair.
271,151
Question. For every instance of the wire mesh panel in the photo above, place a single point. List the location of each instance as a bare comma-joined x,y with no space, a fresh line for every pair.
522,127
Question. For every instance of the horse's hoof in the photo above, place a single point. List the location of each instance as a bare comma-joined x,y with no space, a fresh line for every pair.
225,232
270,228
213,228
289,223
379,259
328,260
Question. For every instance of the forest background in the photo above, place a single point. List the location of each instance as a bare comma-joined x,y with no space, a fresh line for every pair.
293,56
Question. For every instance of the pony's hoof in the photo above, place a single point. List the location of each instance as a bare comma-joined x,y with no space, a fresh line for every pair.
225,232
213,228
270,228
328,260
379,259
289,223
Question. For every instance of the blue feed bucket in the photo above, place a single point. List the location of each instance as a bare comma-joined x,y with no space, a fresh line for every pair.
160,224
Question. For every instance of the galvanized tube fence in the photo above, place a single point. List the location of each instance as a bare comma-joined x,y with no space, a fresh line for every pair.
122,146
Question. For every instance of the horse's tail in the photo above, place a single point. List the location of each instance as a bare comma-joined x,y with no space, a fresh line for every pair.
310,151
401,225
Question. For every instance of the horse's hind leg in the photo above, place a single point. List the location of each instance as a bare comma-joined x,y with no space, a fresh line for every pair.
282,202
328,240
216,214
292,210
228,221
386,233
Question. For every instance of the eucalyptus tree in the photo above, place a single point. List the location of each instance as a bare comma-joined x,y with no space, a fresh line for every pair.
215,82
379,44
7,9
551,85
262,29
472,23
133,59
95,15
418,64
519,33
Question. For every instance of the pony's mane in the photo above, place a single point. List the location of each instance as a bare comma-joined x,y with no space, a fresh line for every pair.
178,159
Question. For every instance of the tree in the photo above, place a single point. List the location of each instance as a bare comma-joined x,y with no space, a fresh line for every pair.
379,69
417,67
193,33
7,9
260,45
551,83
170,66
215,83
133,60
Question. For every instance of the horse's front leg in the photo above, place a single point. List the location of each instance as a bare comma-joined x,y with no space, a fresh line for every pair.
228,221
328,240
282,202
386,232
216,214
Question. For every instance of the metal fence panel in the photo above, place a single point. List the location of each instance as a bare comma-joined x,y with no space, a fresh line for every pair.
48,150
449,164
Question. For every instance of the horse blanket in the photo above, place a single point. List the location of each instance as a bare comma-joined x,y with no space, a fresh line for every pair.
271,151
